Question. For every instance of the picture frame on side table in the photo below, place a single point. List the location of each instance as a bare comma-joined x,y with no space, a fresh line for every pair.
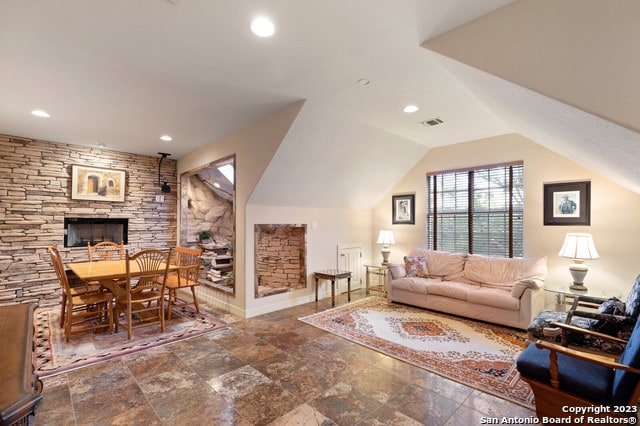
404,209
97,184
567,203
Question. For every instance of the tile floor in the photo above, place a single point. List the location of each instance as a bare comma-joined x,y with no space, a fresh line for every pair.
271,369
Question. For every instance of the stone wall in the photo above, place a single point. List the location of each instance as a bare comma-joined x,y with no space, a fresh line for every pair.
280,258
35,189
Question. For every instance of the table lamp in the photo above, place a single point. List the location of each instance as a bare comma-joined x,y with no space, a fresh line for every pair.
385,238
578,247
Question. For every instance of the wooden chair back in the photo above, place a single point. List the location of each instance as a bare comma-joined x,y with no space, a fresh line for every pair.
105,250
188,262
58,267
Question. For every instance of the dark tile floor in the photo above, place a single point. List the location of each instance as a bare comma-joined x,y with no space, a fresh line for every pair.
271,369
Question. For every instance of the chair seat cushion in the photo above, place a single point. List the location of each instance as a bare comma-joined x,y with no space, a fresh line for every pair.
581,378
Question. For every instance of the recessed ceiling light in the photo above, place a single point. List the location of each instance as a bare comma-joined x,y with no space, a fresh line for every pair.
263,27
363,82
410,108
40,113
166,138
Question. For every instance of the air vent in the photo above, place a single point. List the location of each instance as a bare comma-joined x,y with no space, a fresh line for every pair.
430,122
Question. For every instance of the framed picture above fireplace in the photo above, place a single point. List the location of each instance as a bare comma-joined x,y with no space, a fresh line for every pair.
97,184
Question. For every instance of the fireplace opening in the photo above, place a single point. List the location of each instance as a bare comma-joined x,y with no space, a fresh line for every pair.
78,232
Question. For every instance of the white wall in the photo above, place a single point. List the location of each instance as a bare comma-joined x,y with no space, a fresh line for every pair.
615,211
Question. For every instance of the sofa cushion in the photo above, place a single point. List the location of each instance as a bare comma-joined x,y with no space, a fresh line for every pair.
416,266
412,284
444,264
494,297
451,289
504,272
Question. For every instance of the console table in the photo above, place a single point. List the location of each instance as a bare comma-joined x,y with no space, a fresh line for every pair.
333,275
21,387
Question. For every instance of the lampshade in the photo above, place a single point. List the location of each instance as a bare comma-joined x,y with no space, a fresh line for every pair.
578,246
385,237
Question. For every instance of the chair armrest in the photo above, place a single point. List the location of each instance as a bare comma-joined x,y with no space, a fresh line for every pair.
585,356
572,328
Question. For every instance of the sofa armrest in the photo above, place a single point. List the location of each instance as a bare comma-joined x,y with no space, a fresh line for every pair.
520,286
396,270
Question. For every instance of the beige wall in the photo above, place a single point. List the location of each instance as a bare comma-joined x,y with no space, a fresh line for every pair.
254,148
615,211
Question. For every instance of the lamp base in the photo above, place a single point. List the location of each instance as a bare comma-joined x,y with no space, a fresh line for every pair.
578,271
385,254
578,287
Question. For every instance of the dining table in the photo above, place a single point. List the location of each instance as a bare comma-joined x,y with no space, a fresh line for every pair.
108,272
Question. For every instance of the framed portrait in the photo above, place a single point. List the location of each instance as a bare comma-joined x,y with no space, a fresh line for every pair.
567,203
97,184
404,209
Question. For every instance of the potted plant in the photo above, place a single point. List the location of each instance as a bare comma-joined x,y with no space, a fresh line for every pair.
204,236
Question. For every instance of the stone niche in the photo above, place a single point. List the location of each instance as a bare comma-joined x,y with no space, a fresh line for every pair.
280,259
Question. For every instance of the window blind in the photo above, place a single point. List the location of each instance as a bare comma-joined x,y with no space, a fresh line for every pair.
477,211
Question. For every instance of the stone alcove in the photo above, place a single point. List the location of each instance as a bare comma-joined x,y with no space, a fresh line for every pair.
280,259
208,220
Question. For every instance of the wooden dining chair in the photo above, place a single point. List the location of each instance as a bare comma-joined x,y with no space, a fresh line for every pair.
185,276
84,309
105,250
141,299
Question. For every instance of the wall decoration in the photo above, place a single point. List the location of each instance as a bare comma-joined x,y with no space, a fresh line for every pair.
567,203
404,209
97,184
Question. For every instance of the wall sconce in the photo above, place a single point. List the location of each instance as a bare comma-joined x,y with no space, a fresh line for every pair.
385,238
165,186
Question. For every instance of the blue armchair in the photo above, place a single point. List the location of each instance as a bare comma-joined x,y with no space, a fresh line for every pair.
562,377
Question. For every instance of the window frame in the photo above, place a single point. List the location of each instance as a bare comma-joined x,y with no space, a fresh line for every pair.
465,215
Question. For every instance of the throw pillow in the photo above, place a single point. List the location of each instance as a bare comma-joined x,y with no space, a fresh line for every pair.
609,325
416,266
633,300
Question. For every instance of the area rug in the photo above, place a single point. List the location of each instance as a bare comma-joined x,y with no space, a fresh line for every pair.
54,355
474,353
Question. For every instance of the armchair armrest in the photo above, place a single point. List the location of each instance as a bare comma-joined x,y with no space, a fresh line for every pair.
585,356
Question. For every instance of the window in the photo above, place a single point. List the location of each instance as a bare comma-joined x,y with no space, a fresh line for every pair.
477,211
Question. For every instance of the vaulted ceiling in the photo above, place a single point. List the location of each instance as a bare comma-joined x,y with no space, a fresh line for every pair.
120,74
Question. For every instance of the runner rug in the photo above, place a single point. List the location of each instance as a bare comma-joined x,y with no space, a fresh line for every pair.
54,355
476,354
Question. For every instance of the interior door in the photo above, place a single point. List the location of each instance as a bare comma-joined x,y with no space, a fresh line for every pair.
350,259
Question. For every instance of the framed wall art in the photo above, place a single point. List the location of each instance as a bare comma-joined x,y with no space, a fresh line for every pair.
97,184
567,203
404,209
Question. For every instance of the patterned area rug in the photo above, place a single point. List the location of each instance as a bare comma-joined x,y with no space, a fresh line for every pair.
474,353
54,355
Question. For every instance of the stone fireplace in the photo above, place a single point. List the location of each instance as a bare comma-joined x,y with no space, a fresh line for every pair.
280,258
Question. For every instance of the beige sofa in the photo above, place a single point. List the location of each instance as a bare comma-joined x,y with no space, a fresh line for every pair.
497,290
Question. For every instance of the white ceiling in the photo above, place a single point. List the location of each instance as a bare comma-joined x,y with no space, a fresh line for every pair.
122,73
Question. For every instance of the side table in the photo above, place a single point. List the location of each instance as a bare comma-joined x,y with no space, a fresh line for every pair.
333,275
562,295
379,271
